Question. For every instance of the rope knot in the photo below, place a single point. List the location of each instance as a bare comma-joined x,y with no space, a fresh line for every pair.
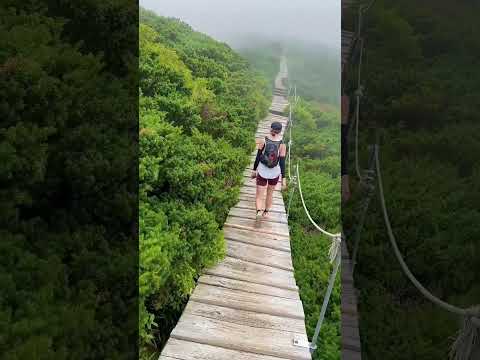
334,247
359,92
467,343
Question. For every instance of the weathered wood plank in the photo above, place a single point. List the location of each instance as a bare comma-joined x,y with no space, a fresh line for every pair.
264,226
238,337
259,255
241,300
248,318
187,350
251,198
258,239
351,355
248,287
255,273
236,233
243,204
252,214
252,191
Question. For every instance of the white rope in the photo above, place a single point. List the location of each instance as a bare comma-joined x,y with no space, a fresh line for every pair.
358,95
468,337
290,124
308,214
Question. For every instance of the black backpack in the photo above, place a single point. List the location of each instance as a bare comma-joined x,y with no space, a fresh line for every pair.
271,153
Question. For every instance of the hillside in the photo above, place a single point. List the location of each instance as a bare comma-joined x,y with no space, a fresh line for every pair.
422,94
199,106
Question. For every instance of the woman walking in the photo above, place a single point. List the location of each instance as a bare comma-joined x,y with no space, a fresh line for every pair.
268,167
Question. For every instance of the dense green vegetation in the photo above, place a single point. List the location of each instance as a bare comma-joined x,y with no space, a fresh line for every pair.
421,77
199,107
68,183
316,147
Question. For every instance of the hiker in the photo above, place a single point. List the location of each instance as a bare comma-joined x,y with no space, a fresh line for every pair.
270,162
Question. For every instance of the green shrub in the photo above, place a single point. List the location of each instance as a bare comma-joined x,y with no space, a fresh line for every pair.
199,107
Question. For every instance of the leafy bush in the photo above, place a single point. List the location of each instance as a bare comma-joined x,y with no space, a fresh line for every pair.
68,184
199,107
425,108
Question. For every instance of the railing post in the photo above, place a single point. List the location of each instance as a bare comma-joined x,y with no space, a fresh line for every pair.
331,282
290,197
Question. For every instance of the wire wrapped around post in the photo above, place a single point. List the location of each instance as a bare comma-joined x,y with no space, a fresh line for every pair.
326,299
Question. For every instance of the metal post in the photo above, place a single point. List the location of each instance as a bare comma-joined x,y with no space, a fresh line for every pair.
331,282
289,142
292,192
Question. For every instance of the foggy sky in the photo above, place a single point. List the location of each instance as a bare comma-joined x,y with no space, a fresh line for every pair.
312,21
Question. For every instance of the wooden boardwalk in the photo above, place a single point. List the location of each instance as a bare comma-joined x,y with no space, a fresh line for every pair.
351,345
247,307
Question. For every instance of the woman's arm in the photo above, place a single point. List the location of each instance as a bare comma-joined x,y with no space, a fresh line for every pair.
260,145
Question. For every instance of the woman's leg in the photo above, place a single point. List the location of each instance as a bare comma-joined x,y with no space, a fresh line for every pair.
260,193
269,200
272,183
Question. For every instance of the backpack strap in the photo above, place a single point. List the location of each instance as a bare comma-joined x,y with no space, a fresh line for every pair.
264,144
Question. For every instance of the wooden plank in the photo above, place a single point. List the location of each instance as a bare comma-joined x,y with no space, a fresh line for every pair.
264,226
187,350
236,233
351,355
248,318
241,300
243,204
248,287
251,237
251,198
252,214
237,269
349,320
259,255
350,333
238,337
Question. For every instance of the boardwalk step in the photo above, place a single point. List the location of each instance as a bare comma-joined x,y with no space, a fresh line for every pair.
255,273
242,204
252,191
259,255
259,239
251,214
242,300
238,337
187,350
259,225
251,198
248,287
